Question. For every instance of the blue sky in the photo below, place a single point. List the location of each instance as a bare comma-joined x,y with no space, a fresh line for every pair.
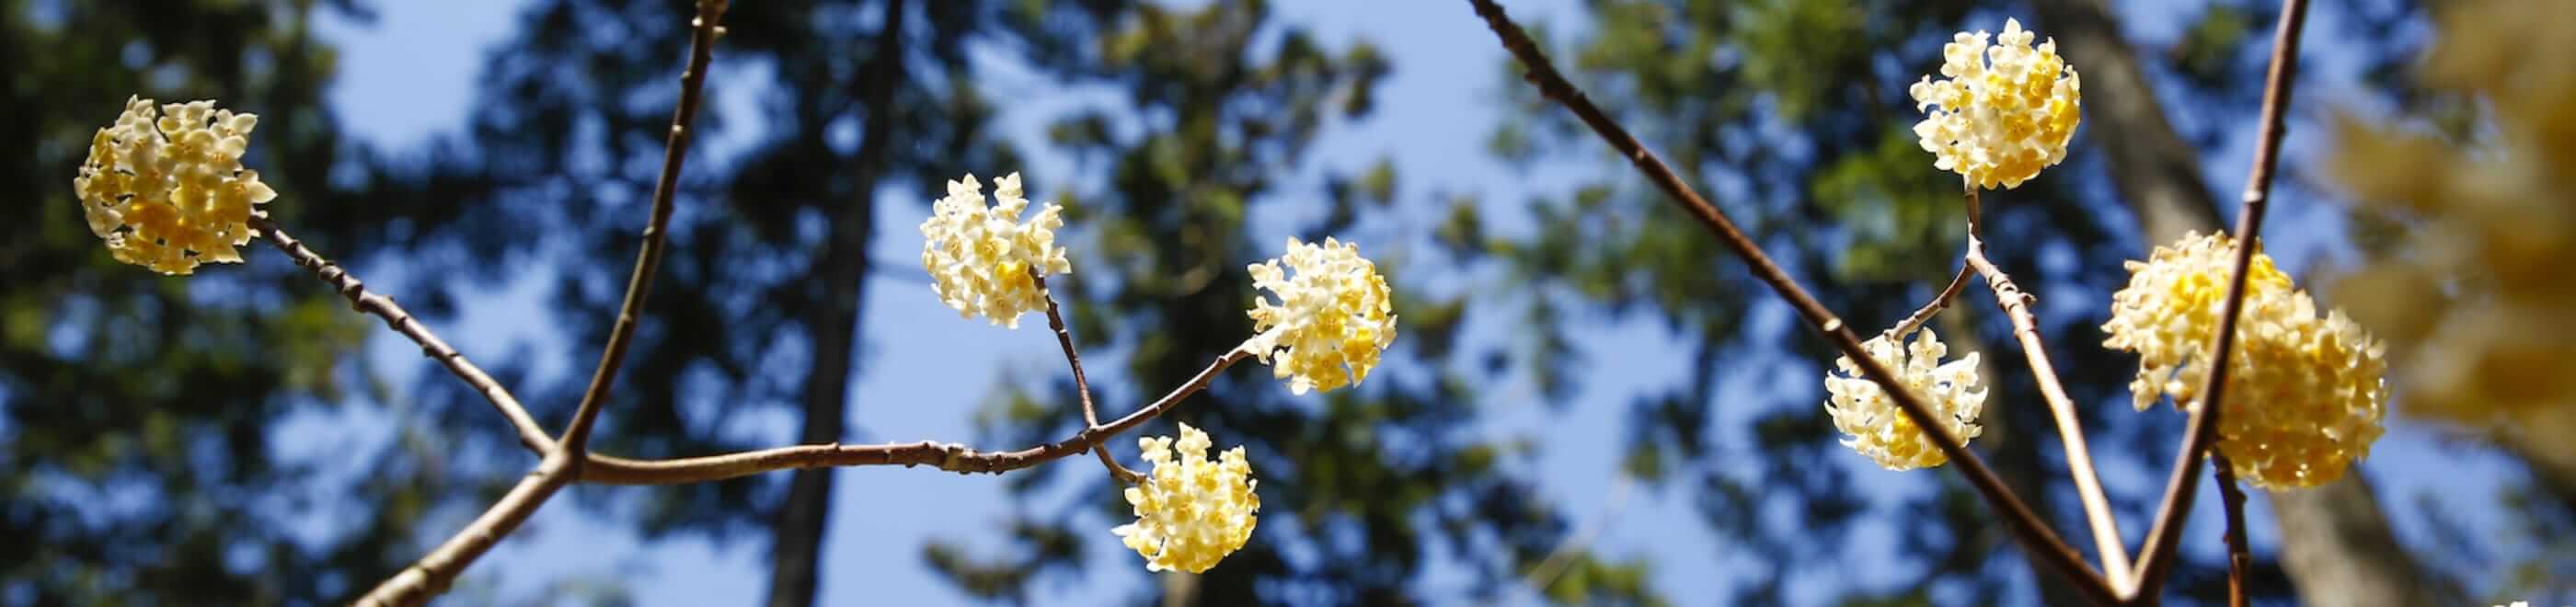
411,75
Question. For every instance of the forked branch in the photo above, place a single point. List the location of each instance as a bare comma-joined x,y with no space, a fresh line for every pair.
2016,305
2042,543
434,573
1081,384
648,258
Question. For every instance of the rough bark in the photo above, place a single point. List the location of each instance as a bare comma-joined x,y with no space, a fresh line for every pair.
2335,542
832,327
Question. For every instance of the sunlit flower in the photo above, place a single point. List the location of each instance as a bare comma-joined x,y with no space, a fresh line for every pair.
2305,390
979,256
2170,309
166,189
2004,111
1192,512
1332,318
1877,428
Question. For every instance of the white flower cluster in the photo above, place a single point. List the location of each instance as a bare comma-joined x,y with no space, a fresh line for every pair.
980,256
1192,512
1880,430
2006,110
1332,319
166,189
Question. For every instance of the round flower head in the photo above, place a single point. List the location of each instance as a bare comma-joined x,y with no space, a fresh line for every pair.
2169,310
1192,512
1880,430
166,189
980,256
1332,318
2305,390
2005,110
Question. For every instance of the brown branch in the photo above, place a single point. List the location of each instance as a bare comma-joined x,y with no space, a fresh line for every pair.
1081,385
402,322
2041,542
951,457
433,574
2239,557
426,579
648,259
611,470
2016,305
2156,558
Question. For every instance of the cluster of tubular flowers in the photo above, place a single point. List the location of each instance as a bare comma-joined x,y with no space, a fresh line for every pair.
165,186
1880,430
1333,317
1192,512
1331,321
980,256
2474,294
2004,111
2305,391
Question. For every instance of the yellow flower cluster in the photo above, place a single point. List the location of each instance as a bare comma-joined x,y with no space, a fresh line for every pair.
1331,321
1193,512
2170,310
166,189
1878,428
2474,295
2005,111
979,256
2304,391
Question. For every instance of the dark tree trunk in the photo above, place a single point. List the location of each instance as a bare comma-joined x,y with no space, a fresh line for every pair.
833,327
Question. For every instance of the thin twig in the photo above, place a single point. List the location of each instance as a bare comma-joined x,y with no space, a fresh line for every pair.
1081,385
402,322
1939,301
2156,558
2016,305
2042,543
2239,555
648,258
